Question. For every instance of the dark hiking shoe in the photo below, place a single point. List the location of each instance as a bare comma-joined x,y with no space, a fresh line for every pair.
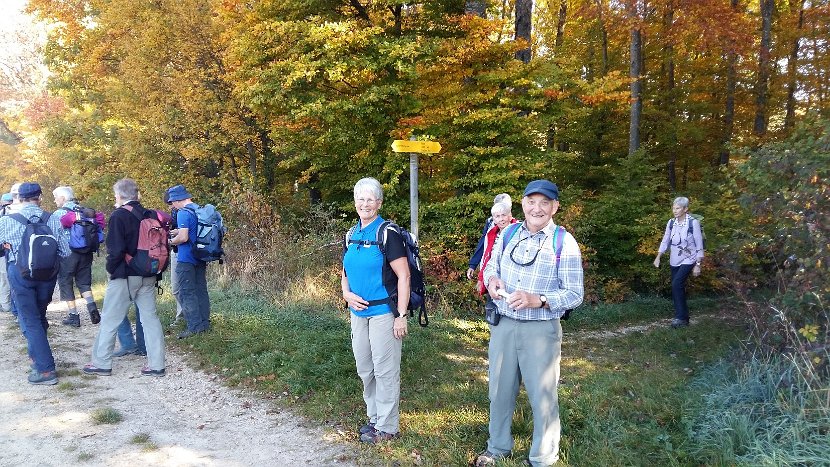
90,369
94,316
49,377
487,458
679,323
377,436
72,320
146,371
123,352
367,428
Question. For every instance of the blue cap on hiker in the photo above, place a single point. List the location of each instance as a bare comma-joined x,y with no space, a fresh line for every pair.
543,187
7,198
29,190
177,193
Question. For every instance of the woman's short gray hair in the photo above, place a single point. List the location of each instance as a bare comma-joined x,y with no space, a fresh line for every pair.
65,192
126,189
681,201
504,198
500,208
368,184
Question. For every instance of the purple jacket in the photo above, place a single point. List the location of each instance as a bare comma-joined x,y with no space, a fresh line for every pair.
685,248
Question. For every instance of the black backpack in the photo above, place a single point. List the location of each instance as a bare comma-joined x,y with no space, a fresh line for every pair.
417,289
38,257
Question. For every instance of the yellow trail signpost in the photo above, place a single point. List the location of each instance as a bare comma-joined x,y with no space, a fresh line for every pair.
414,148
423,147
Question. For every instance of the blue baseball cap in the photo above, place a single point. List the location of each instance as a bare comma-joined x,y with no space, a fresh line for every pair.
7,198
543,187
29,190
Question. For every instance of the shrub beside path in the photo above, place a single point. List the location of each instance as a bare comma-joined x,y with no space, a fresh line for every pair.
186,418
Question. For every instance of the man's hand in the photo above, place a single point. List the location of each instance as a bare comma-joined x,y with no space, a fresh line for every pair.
657,261
520,299
493,287
470,272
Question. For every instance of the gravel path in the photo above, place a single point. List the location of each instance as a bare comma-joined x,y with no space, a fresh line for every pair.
186,418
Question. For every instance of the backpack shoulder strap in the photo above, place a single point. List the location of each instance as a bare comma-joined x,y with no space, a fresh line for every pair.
558,242
138,215
509,232
691,231
19,218
383,235
347,239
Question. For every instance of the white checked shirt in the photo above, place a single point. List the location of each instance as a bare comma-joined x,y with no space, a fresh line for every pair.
563,291
11,231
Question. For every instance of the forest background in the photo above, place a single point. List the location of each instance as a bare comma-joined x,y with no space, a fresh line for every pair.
273,109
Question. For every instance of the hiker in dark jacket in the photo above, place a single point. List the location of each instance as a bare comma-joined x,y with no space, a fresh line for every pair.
126,285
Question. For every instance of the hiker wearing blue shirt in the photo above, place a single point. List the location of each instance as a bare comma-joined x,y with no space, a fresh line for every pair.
190,272
32,296
534,287
475,260
376,290
684,238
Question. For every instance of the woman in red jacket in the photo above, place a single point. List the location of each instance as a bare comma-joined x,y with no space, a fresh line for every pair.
502,217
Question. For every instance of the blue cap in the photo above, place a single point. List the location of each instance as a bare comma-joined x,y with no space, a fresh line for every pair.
29,190
177,193
543,187
7,198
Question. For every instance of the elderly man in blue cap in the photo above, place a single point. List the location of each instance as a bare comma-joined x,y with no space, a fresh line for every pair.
535,276
190,272
32,294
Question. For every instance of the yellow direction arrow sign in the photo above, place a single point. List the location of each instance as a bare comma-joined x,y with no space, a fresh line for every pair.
426,147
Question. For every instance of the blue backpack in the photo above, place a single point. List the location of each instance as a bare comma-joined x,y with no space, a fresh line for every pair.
417,289
207,241
84,234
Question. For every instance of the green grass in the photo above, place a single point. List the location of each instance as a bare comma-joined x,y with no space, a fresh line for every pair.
621,398
106,416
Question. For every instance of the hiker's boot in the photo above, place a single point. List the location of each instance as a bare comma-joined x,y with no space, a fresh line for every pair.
94,316
72,320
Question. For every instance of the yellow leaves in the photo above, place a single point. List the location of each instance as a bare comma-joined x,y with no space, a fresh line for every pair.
810,332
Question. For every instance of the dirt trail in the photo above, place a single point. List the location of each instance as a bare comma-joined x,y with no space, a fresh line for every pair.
189,419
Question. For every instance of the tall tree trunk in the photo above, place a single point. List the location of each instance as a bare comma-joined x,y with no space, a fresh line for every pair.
560,23
476,7
603,34
635,69
731,86
524,11
764,64
667,69
792,71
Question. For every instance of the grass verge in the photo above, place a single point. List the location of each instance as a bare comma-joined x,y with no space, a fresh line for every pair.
621,398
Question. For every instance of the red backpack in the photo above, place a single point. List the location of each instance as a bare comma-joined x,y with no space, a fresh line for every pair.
153,253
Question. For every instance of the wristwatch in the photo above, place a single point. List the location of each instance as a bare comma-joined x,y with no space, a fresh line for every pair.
543,299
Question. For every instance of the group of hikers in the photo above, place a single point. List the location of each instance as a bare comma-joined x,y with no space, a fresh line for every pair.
530,273
43,249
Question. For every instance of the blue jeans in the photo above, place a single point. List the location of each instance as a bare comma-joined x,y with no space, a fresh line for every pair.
32,298
125,334
14,305
679,274
193,295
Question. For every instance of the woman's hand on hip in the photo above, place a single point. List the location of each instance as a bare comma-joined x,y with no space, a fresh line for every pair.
354,301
